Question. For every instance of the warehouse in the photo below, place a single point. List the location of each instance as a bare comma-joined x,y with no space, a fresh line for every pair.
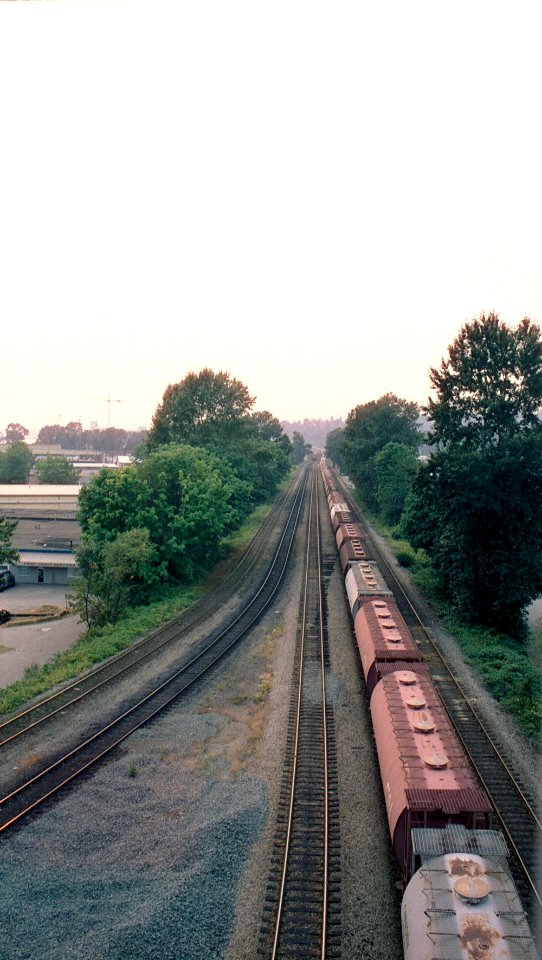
47,534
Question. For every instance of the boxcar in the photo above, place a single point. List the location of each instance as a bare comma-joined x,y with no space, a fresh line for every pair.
425,773
364,580
382,636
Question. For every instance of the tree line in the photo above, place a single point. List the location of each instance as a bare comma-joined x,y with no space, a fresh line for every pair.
205,464
474,503
112,440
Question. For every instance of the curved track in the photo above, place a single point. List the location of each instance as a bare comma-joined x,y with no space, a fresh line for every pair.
27,796
172,633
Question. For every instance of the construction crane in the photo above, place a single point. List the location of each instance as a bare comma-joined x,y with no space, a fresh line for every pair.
107,400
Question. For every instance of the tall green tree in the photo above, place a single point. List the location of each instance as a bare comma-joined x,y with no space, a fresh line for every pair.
300,449
489,387
202,408
476,504
396,465
53,469
334,448
369,427
15,463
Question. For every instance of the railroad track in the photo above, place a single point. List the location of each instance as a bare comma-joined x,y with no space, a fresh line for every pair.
174,633
302,909
43,784
514,809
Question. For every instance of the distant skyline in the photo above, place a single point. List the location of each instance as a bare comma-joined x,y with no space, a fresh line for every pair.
311,198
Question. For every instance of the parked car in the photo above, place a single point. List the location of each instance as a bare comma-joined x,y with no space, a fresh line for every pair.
6,579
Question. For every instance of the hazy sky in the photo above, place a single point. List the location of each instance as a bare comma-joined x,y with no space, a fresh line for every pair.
313,197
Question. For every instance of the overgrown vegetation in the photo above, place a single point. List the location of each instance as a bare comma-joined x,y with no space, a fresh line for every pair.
207,463
511,672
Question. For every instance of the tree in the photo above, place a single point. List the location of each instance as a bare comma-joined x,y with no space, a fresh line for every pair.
476,504
185,497
300,449
15,463
396,466
369,427
490,385
334,447
202,408
56,470
15,431
7,529
266,427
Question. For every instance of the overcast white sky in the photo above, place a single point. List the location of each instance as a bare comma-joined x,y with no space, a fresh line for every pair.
311,196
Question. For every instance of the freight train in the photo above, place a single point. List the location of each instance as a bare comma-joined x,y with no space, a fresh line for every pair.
459,902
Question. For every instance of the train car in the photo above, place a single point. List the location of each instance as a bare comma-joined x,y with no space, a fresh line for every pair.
383,637
462,903
352,548
362,581
427,779
340,514
334,498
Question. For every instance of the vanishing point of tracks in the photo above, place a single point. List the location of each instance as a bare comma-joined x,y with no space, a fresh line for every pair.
514,809
302,910
26,797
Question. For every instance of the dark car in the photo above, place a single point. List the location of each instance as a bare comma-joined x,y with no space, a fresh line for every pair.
5,615
6,579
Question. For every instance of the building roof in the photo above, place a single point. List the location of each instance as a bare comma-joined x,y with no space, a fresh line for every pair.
39,489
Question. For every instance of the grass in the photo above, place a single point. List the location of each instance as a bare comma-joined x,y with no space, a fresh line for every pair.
97,645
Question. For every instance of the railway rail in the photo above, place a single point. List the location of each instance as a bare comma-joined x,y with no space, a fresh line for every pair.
173,633
514,809
302,909
63,770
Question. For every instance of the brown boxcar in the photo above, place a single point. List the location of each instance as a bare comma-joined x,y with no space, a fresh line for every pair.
425,773
352,551
382,636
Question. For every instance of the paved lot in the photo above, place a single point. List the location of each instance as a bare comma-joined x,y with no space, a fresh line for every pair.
33,643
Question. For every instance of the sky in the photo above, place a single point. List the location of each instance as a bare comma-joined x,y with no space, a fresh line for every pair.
312,197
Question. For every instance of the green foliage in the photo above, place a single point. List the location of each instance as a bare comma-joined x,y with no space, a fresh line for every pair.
479,516
172,512
7,529
15,463
395,467
300,449
510,675
368,429
490,386
53,469
334,448
202,408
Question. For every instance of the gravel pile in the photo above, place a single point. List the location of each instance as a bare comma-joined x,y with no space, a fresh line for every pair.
164,852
